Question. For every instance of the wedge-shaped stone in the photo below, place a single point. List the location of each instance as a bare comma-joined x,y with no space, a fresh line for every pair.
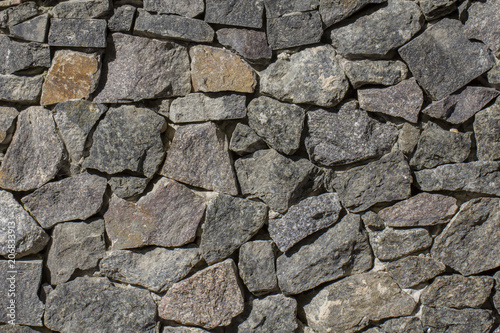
27,55
20,89
257,266
391,244
433,9
245,141
240,13
17,14
413,270
487,132
33,30
444,319
8,116
188,8
82,9
122,19
334,11
294,30
250,44
77,33
483,23
381,72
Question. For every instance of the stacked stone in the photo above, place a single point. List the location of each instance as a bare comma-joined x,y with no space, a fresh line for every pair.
250,166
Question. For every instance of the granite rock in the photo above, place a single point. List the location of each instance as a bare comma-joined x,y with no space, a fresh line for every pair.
122,19
380,72
293,30
77,33
334,11
8,118
187,8
402,324
487,133
17,14
245,141
410,271
126,186
20,89
82,9
241,13
483,24
33,30
15,56
408,138
257,266
250,44
391,244
434,9
458,321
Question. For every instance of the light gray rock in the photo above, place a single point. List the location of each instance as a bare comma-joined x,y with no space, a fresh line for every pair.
17,14
334,11
483,24
257,266
487,133
458,321
434,9
77,33
82,9
391,244
408,138
240,13
8,117
245,141
122,19
20,89
33,30
413,270
250,44
188,8
127,186
16,329
293,30
16,57
340,251
277,8
381,72
402,324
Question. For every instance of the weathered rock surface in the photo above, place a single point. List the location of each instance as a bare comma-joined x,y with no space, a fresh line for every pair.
122,19
15,56
33,30
402,324
93,303
453,320
391,244
372,221
350,304
156,270
434,61
383,72
82,9
493,76
250,44
20,89
483,24
127,139
257,268
475,231
77,33
209,298
245,141
487,133
341,250
413,270
435,9
127,186
17,14
188,8
277,8
229,222
408,138
35,154
334,11
311,76
240,13
8,328
8,117
496,292
140,68
294,30
182,329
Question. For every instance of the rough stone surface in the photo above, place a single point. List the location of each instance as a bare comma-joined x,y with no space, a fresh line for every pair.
487,133
294,30
391,244
127,139
453,320
433,9
483,23
277,8
16,329
496,293
372,221
413,270
434,61
245,141
8,117
182,329
77,33
250,44
17,14
312,76
240,13
210,298
188,8
382,72
15,56
334,11
82,9
93,303
408,138
350,304
257,268
21,89
127,187
122,19
33,30
403,100
493,76
341,250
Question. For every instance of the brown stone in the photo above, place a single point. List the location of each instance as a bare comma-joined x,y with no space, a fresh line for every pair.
73,75
214,69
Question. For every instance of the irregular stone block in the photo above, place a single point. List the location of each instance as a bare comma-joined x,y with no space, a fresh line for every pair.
127,186
188,8
433,9
28,56
391,244
294,30
372,221
33,30
483,23
245,141
408,138
277,8
380,72
487,133
17,14
413,270
8,117
496,293
452,320
82,9
334,11
257,267
240,13
9,328
402,324
20,89
250,44
182,329
77,33
493,76
122,19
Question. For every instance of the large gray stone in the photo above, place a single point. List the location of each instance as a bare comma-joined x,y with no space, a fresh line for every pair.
77,33
483,23
293,30
82,9
257,266
244,140
15,56
8,118
443,60
487,133
434,9
33,30
413,270
122,19
240,13
188,8
391,244
381,72
250,44
457,321
334,11
17,14
21,89
340,251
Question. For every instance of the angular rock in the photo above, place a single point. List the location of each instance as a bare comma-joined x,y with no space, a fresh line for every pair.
28,309
240,13
75,245
173,27
408,138
188,8
403,100
305,218
340,251
346,136
15,56
73,198
35,154
477,177
128,138
82,9
95,304
72,75
279,124
199,157
493,76
391,244
460,321
167,216
20,89
122,19
16,329
381,72
402,324
433,9
487,133
385,180
413,270
277,8
164,266
334,11
474,230
141,68
257,267
350,304
17,14
434,61
483,23
198,107
311,76
214,69
8,118
422,210
294,30
250,44
8,3
379,32
33,30
372,221
127,186
28,238
209,298
245,141
77,33
496,293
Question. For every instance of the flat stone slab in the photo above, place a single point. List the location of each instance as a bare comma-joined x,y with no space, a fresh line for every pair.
33,30
457,320
241,13
187,8
20,89
483,23
392,244
257,266
293,30
77,33
277,8
122,19
333,11
413,270
17,14
244,140
376,72
28,56
250,44
486,132
435,9
82,9
128,187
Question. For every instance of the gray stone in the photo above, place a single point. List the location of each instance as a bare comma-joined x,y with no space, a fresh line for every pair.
408,138
434,61
28,237
128,138
493,76
122,19
350,304
334,11
17,14
257,268
496,293
95,304
229,223
250,44
277,8
305,218
474,230
245,141
8,118
487,132
156,270
199,157
75,245
182,329
209,298
188,8
82,9
378,32
381,72
413,270
457,321
403,324
197,107
16,329
35,154
28,309
311,76
422,210
240,13
391,244
173,27
385,180
372,221
141,68
74,198
403,100
294,30
346,136
483,23
21,89
340,251
77,33
437,146
434,9
127,186
279,124
33,30
477,177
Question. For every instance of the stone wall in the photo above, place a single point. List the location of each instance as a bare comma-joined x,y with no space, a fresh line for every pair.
265,166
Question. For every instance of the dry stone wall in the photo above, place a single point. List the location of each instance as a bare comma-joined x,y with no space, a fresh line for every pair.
235,166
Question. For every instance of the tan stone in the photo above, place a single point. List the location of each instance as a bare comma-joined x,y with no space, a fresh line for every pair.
214,69
8,3
73,75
